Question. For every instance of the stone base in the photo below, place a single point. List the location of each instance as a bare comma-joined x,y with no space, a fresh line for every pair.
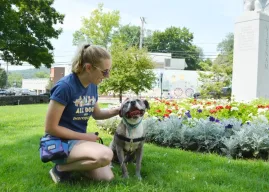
251,57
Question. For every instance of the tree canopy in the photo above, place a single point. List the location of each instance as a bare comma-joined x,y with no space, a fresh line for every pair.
15,80
3,78
98,28
177,41
128,34
219,73
131,71
42,74
26,28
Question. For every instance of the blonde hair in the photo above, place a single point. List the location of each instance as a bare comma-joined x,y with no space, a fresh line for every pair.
89,54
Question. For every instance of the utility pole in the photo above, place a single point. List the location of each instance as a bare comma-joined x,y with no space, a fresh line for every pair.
143,21
7,76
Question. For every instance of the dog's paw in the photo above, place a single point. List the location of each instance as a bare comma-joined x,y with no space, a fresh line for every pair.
125,176
139,176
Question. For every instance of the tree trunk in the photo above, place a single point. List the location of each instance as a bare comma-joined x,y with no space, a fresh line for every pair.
120,96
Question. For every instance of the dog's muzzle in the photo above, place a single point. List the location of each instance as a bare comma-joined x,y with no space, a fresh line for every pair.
134,112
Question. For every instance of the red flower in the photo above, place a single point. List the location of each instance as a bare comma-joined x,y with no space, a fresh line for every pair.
158,111
228,107
166,115
168,111
213,111
219,107
167,103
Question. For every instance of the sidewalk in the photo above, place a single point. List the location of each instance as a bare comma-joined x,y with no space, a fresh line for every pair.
111,100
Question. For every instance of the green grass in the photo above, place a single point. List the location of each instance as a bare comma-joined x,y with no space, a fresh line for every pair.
163,169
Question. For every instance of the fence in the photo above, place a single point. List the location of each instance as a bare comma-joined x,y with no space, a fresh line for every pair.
20,100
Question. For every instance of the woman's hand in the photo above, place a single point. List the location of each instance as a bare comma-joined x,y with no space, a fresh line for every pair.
92,137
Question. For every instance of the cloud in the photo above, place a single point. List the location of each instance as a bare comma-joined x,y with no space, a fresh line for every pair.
74,11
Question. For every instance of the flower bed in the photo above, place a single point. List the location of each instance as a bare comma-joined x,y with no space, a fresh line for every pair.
238,130
234,129
219,109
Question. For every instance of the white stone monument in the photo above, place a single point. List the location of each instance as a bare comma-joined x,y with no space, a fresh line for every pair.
251,53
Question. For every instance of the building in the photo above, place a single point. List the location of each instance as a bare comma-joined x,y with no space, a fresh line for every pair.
165,60
174,83
172,80
39,85
56,73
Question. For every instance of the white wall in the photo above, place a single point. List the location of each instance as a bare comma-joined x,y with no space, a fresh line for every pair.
175,83
38,84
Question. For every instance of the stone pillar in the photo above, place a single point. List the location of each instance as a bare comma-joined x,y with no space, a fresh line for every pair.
251,57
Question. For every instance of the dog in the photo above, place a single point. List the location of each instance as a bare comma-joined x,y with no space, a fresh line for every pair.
129,138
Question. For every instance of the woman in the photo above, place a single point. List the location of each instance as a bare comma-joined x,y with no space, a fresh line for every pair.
73,100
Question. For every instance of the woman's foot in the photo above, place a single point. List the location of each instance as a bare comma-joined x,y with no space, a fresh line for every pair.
59,176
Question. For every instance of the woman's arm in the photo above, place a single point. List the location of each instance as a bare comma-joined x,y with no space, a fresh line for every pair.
54,113
99,114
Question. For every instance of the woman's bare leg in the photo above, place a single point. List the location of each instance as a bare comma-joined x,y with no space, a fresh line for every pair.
91,157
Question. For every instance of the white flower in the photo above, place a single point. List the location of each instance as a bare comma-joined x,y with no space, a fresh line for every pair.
173,115
154,117
194,106
262,110
234,109
210,107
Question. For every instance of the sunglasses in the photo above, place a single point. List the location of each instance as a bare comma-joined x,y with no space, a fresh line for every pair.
104,72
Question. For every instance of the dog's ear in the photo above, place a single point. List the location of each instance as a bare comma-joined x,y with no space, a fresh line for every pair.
146,104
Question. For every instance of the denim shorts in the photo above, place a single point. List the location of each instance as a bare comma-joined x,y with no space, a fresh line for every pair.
71,144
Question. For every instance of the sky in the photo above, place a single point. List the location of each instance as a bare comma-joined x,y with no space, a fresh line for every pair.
209,20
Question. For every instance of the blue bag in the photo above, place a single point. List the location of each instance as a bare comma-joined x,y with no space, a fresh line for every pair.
52,148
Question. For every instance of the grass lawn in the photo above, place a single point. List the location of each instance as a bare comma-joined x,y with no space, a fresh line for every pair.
163,169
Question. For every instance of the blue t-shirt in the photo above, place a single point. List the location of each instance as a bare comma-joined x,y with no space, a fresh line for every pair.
78,101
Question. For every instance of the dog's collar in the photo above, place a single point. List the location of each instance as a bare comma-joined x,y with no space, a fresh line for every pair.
131,126
121,137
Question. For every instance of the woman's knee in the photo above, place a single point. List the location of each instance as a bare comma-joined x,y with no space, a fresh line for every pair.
105,157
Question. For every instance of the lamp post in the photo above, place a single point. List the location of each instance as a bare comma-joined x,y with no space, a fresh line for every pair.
161,79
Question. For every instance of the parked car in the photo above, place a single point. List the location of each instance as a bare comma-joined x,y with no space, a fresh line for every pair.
25,92
225,92
32,92
47,94
3,92
10,92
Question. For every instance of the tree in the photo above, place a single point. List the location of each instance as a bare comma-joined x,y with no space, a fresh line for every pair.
49,85
219,73
132,71
205,65
128,34
3,78
26,30
98,28
213,81
42,74
176,41
15,80
225,58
